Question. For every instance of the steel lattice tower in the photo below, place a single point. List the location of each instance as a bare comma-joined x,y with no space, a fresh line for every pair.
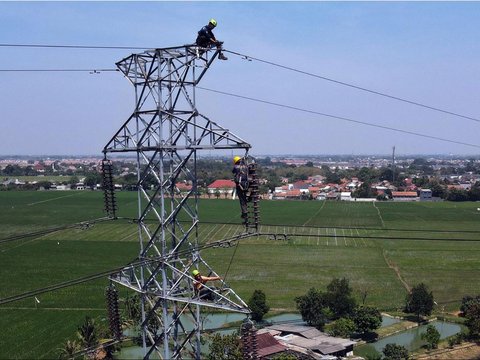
165,132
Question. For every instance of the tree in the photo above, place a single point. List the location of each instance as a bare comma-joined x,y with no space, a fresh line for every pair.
340,298
467,302
364,190
131,311
87,333
258,305
366,174
284,356
74,180
431,336
367,319
438,190
226,347
457,195
93,179
343,327
45,184
473,320
69,349
419,301
395,352
474,193
314,308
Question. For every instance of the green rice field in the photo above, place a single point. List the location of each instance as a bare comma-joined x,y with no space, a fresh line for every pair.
382,248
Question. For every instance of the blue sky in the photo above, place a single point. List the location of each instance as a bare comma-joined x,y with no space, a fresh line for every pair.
428,52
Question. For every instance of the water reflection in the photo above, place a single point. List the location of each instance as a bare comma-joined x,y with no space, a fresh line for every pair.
411,338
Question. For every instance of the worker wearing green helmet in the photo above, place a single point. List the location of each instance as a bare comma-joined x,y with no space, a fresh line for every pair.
200,290
206,39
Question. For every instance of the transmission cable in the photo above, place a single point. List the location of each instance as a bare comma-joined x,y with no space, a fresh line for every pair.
51,230
92,71
352,228
328,227
73,46
338,117
248,57
220,243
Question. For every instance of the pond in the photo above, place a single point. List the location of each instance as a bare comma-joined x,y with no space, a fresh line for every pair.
217,321
411,338
388,320
214,321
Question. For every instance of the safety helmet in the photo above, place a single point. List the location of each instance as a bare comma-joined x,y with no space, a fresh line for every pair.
195,272
236,159
213,22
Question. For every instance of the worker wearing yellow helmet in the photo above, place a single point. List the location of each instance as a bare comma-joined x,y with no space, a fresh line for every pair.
240,176
200,290
206,39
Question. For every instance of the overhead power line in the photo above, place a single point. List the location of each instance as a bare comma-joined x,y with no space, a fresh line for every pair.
248,57
339,117
74,46
93,71
86,223
229,242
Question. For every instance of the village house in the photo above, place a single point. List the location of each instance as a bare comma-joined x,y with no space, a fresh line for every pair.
183,187
405,196
425,194
222,187
310,341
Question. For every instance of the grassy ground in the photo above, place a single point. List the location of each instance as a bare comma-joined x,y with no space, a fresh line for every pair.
338,240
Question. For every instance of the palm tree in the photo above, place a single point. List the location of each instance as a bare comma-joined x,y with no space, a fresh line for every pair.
69,349
87,333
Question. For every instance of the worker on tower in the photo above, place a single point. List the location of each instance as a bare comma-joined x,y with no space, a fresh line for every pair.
240,177
206,39
201,291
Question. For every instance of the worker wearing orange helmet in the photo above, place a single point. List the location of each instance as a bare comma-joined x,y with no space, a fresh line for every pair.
201,291
206,39
240,176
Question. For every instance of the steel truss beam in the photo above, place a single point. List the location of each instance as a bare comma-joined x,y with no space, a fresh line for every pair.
165,131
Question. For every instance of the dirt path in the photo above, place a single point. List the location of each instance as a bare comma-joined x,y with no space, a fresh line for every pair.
392,266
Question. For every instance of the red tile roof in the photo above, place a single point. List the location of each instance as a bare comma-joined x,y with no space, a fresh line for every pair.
294,192
221,184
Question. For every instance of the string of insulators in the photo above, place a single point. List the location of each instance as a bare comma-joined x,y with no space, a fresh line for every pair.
249,341
253,204
113,312
108,189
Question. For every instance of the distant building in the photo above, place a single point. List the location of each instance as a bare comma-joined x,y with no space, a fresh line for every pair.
346,196
222,186
425,194
309,340
404,195
183,187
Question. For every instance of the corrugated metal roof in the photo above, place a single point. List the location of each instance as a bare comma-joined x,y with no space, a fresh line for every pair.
308,337
268,345
305,331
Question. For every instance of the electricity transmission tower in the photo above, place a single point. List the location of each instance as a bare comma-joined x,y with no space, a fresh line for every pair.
165,132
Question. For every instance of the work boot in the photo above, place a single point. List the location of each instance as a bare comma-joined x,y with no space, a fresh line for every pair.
222,57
